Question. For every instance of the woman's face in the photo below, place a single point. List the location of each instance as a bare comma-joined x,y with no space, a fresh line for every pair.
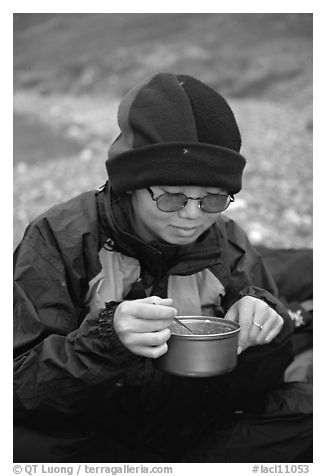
179,228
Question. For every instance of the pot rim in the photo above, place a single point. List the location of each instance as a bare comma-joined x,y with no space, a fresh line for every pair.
218,336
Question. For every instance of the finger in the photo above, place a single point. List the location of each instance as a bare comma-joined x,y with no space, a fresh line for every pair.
156,300
148,325
277,326
232,314
151,352
246,311
272,324
262,322
148,310
147,339
158,312
165,302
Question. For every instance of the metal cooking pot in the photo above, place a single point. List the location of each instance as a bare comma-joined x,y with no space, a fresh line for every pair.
210,350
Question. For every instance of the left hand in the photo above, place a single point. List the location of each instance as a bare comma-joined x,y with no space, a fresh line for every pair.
259,322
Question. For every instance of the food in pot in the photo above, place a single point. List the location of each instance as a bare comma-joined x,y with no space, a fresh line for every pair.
207,327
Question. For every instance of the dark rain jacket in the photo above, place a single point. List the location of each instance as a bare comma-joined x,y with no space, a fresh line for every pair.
69,365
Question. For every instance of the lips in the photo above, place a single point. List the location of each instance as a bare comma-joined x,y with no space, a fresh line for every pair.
185,231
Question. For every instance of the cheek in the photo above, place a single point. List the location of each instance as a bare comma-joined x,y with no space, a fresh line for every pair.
150,212
210,219
158,220
153,217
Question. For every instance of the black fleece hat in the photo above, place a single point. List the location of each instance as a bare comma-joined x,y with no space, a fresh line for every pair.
175,130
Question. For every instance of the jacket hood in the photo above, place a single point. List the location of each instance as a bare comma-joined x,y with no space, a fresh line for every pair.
157,258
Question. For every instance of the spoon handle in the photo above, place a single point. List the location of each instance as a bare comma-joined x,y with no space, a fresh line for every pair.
182,324
178,322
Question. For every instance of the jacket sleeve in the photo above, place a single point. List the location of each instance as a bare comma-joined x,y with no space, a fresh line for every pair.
61,356
261,365
249,276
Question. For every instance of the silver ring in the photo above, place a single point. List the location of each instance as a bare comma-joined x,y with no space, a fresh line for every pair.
258,325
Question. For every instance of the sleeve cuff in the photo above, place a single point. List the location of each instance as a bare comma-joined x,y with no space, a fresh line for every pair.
108,335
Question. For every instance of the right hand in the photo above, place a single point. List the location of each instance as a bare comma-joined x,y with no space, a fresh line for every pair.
143,327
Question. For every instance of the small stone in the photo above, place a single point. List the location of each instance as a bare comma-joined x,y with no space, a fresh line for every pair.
86,154
21,168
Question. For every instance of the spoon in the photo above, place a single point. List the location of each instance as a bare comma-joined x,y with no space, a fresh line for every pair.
178,322
182,324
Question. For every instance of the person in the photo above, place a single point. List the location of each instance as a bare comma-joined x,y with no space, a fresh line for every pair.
89,271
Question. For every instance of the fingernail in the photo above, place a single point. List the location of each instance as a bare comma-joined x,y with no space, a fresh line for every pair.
269,337
239,350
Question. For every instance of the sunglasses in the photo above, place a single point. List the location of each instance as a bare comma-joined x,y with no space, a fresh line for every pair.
173,202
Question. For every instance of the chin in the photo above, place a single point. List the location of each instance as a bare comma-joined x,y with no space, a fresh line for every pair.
181,240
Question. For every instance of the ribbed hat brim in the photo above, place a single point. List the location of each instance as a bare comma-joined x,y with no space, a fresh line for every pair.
177,163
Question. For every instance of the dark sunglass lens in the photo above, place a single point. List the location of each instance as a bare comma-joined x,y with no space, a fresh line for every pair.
171,202
215,203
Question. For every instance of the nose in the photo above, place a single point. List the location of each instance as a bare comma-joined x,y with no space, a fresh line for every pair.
192,210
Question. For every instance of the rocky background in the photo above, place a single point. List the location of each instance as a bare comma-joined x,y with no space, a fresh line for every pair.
70,70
